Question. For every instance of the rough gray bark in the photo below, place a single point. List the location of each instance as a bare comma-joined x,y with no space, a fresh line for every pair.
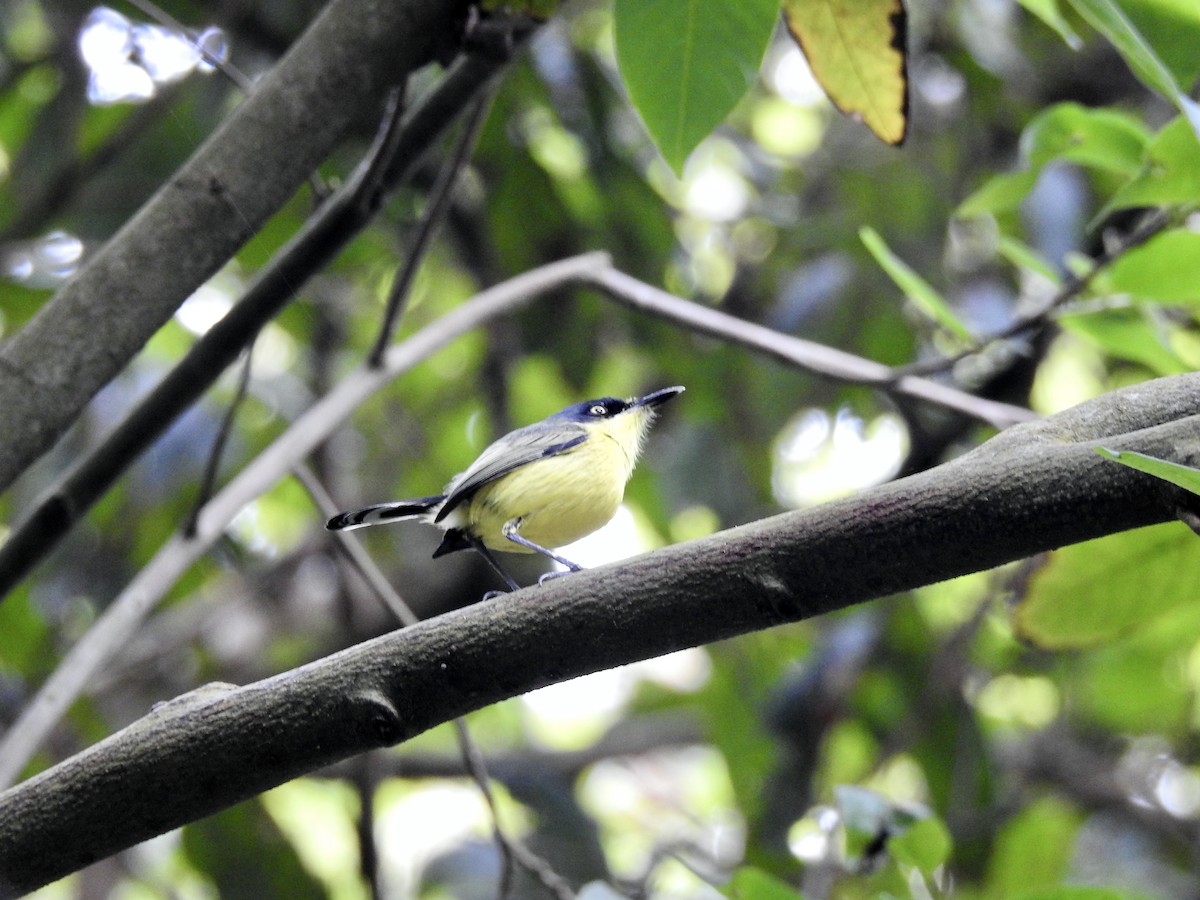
1033,488
335,73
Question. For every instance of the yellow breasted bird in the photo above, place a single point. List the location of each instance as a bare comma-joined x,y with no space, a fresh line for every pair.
545,485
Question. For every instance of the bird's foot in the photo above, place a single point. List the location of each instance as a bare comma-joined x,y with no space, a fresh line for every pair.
549,576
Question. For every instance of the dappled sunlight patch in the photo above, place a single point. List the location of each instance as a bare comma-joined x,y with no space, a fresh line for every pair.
818,457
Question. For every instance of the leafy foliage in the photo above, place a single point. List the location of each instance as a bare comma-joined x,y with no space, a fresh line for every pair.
1000,735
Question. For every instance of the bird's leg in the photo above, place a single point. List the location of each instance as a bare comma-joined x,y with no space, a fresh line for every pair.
478,545
510,531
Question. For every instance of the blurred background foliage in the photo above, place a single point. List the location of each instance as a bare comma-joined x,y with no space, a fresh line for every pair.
926,745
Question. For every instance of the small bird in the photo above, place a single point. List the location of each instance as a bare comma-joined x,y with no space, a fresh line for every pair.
545,485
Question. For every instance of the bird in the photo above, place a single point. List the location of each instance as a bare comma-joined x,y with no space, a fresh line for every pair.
542,486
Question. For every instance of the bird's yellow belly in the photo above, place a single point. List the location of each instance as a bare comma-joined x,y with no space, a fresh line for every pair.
559,499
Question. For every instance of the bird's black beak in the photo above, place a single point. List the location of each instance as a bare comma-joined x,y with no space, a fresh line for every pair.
658,397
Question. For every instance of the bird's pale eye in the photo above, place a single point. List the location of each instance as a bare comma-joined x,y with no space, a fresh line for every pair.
598,410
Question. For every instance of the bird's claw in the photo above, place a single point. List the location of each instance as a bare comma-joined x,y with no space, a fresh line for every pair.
492,595
552,575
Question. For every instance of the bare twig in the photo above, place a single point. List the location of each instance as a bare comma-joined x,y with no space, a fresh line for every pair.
435,210
510,848
1153,224
222,65
365,781
122,617
817,358
1031,488
338,220
212,467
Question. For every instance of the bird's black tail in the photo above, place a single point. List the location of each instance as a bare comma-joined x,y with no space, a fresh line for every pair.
382,513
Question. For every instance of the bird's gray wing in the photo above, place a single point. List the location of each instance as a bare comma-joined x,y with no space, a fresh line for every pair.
519,448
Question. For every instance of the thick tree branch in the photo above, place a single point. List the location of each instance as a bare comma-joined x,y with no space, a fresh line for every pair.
1034,487
125,613
336,72
323,236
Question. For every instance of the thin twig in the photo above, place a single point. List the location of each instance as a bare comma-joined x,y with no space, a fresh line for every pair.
349,544
326,232
431,218
368,853
510,848
474,764
212,467
816,358
117,624
1153,224
222,65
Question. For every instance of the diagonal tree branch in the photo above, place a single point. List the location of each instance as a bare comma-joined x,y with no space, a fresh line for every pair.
1034,487
337,71
323,236
123,616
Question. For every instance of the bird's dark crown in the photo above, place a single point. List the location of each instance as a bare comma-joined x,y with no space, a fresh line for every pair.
590,410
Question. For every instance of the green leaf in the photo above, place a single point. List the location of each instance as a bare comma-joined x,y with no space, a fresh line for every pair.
1051,15
1170,171
1000,193
1166,269
1092,592
1026,259
1103,139
1127,334
1182,476
925,845
1033,849
1172,27
749,883
687,63
856,51
1110,20
915,288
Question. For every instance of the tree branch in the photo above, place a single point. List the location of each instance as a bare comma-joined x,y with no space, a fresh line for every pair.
241,175
122,617
817,358
322,237
1033,488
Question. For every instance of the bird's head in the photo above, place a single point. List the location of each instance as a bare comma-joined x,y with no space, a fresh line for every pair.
626,421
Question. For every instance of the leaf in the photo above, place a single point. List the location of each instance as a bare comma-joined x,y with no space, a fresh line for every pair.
1170,171
1000,193
687,63
1051,15
1165,269
1026,259
925,845
1109,19
1172,27
1033,848
1103,139
1126,334
1092,592
856,50
916,288
1182,476
749,883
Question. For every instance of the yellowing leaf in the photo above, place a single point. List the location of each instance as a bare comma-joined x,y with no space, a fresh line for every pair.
856,51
